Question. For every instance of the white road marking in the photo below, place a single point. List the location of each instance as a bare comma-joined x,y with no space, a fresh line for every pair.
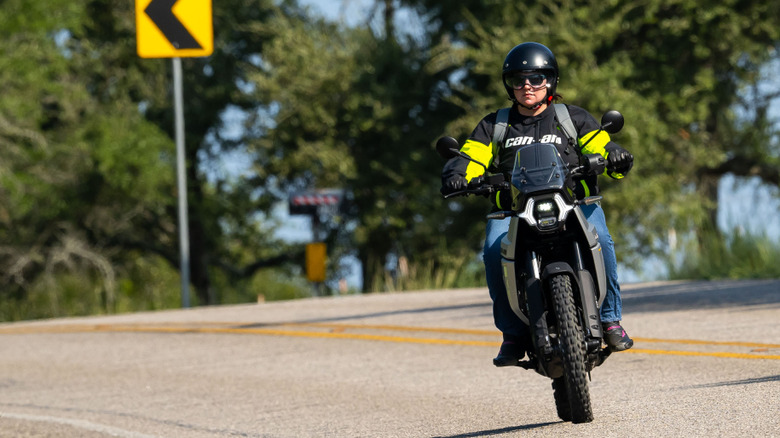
81,424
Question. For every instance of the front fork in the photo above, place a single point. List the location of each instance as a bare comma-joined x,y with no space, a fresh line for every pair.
591,316
526,297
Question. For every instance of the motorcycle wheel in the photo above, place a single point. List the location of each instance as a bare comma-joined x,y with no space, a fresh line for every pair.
572,345
561,399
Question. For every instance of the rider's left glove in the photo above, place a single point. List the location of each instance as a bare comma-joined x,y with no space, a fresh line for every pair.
619,160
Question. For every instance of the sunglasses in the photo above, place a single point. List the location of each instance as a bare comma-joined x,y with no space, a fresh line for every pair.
518,81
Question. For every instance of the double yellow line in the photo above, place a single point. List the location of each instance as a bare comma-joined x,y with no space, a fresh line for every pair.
347,331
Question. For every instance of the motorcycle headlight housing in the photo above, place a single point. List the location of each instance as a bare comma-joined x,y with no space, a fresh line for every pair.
546,213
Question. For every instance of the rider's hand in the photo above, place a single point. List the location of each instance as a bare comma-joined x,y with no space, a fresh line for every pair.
476,182
620,160
453,184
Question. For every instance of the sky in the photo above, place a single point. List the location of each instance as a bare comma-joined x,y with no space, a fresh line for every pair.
350,12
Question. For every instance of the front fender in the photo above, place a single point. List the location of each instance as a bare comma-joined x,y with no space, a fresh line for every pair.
559,268
585,295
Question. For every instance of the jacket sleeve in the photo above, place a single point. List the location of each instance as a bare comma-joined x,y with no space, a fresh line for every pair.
479,147
597,142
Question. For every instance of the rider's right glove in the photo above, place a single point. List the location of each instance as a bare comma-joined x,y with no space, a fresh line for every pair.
453,184
619,160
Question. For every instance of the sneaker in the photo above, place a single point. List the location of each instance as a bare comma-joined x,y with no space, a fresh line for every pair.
616,338
511,352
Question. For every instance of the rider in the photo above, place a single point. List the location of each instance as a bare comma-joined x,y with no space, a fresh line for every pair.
530,76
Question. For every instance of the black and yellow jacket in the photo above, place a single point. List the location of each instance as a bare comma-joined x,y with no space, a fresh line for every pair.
524,130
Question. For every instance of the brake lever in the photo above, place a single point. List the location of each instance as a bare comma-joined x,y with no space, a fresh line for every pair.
579,171
458,193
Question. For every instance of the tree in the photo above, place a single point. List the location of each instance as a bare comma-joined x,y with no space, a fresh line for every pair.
680,71
360,109
89,179
66,177
88,197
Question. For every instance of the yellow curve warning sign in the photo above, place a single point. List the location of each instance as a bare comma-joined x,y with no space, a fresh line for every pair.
174,28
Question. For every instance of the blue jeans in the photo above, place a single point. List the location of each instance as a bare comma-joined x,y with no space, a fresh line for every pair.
505,319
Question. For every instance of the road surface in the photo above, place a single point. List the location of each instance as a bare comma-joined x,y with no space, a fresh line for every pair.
706,363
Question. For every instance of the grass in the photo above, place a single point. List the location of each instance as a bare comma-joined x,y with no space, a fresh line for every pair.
732,255
152,285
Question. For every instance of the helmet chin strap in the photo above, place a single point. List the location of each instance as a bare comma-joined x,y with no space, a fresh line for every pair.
537,105
532,108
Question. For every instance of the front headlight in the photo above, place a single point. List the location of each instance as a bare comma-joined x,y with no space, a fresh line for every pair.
546,213
545,207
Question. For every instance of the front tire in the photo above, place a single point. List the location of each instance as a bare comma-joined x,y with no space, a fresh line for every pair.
572,347
561,399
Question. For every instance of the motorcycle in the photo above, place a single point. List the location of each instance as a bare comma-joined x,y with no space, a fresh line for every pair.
552,264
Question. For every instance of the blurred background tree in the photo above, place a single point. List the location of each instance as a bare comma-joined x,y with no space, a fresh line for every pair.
88,197
88,189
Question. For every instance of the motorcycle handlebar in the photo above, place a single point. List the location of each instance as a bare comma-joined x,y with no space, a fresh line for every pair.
488,187
482,190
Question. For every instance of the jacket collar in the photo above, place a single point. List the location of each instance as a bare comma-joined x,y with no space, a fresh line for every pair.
530,120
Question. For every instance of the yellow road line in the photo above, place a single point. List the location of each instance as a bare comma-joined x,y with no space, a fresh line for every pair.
697,353
696,342
495,332
400,339
341,335
400,328
232,328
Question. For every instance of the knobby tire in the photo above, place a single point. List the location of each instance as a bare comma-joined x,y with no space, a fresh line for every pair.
561,399
572,344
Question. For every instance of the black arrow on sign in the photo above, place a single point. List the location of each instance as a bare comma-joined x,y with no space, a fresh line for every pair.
161,14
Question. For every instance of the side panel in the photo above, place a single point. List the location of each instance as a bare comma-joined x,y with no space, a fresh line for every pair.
508,243
510,281
594,254
511,275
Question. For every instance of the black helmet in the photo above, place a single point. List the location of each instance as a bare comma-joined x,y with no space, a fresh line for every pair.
531,57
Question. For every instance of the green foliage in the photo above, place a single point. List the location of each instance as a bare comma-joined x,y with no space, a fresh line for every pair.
739,255
449,271
88,199
276,285
357,111
87,182
144,283
77,174
270,284
677,70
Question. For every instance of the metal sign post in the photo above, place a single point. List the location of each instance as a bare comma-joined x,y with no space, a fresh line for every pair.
181,177
162,32
313,203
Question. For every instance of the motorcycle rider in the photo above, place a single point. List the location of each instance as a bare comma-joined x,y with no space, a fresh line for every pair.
530,75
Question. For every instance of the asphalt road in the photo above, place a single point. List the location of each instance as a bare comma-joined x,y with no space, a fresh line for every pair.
706,363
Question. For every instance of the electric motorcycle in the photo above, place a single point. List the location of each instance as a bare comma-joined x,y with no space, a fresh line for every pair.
552,264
